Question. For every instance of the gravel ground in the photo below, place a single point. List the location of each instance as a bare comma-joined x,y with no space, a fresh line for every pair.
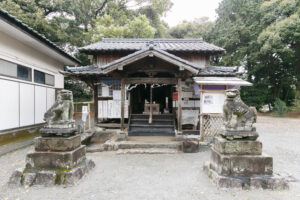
178,176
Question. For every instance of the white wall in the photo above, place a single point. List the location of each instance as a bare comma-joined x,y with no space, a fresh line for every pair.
26,104
9,103
14,51
23,104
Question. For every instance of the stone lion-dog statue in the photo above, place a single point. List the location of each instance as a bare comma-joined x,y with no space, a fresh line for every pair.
61,113
245,115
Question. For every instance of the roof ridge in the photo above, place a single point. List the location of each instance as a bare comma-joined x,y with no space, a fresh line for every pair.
143,40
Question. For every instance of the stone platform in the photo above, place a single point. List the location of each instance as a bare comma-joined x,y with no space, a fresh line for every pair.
55,161
272,182
239,163
30,177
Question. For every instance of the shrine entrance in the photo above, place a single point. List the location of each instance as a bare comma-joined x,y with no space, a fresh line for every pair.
140,98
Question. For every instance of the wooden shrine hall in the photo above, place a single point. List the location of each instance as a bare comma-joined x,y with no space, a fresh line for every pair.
155,87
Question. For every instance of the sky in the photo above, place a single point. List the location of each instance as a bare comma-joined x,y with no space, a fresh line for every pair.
191,9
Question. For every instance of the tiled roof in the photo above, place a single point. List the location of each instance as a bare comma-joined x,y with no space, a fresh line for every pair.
89,70
4,15
79,70
190,45
220,71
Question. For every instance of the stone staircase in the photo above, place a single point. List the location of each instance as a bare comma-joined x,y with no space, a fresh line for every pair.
162,125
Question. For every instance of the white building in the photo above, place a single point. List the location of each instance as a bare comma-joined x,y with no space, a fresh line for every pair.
29,73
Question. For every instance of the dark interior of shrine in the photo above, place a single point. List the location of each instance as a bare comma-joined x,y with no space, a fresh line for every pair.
141,93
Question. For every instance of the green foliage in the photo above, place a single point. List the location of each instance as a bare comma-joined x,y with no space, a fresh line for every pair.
72,23
106,26
250,96
263,36
280,107
75,23
81,92
198,28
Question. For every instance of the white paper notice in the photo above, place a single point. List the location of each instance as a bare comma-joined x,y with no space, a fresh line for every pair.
85,113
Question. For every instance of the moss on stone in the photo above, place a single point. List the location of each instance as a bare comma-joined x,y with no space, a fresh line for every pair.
33,181
58,178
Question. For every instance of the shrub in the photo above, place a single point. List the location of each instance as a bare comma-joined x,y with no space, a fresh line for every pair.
280,107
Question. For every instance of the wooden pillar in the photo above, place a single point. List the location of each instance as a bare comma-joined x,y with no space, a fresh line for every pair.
95,104
179,111
201,116
151,105
122,102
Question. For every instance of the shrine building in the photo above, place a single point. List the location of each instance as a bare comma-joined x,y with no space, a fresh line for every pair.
156,87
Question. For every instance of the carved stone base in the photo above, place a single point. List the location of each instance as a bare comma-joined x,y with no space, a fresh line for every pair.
246,135
32,177
55,160
58,132
237,147
241,165
57,143
246,182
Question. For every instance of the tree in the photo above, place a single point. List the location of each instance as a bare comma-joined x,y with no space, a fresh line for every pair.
106,26
198,28
264,36
280,41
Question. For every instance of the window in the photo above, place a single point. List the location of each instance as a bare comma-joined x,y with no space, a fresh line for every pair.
43,78
39,77
24,73
49,79
8,68
14,70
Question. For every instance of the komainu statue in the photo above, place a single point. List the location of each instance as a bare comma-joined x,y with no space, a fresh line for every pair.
60,115
245,116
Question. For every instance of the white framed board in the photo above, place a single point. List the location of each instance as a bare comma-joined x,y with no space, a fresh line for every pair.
212,102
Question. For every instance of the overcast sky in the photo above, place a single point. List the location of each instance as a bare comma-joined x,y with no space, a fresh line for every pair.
190,9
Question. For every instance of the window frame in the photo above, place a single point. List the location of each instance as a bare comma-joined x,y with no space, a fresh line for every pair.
17,67
29,73
45,74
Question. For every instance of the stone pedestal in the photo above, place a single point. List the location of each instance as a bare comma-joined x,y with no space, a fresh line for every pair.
238,162
55,161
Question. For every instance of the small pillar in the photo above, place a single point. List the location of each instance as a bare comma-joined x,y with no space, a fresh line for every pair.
122,104
179,111
95,104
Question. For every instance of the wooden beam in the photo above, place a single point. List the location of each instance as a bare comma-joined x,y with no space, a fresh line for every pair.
169,81
179,111
122,103
95,88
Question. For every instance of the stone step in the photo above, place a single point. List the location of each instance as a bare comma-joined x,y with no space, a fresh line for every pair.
148,151
149,145
162,116
152,126
151,133
154,122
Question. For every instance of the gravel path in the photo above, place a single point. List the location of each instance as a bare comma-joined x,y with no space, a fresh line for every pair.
178,176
